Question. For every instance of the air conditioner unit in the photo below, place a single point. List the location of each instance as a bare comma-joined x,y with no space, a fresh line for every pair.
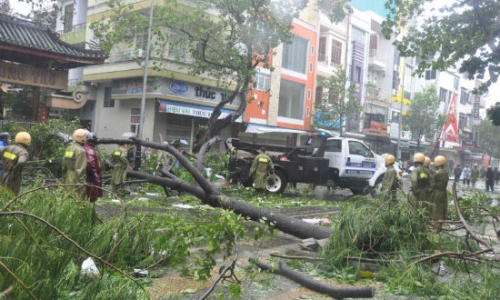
140,53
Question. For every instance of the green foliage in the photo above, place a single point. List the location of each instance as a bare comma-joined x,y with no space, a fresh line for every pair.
48,264
400,236
489,138
424,117
335,106
370,226
493,114
47,144
466,31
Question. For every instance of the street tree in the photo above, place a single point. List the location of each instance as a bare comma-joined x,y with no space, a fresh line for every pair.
339,101
424,117
489,138
457,34
226,45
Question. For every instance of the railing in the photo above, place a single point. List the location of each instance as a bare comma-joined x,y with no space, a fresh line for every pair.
373,52
73,28
26,125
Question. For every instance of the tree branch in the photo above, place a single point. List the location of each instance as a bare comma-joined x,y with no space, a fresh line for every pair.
319,287
15,213
464,222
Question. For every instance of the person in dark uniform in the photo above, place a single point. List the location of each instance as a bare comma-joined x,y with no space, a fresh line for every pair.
119,173
490,179
420,190
14,157
262,167
390,184
74,165
439,194
4,142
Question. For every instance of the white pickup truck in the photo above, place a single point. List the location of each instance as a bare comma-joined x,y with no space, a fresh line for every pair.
353,165
338,162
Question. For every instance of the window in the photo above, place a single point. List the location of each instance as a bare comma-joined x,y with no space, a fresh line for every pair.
319,96
443,94
395,117
336,52
141,39
462,121
358,149
395,80
178,46
464,96
407,95
358,36
295,55
333,146
262,81
108,102
68,17
322,49
430,74
135,120
357,74
291,103
373,42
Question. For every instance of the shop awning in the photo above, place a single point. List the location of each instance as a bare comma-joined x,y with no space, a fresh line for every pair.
188,109
260,129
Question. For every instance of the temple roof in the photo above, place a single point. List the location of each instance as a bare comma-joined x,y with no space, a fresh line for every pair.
34,44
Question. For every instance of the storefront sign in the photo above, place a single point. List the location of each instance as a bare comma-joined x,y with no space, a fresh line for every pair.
179,108
377,128
27,75
180,89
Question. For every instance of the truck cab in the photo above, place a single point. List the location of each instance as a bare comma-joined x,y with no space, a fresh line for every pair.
351,163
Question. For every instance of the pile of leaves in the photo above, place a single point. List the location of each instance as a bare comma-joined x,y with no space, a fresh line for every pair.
396,245
46,235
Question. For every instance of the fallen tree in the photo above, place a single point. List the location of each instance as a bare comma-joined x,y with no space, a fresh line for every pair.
204,190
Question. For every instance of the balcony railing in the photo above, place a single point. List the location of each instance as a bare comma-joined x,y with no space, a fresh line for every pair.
73,28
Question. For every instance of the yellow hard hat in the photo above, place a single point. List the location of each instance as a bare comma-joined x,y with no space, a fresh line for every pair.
419,157
440,161
427,161
23,138
80,136
390,160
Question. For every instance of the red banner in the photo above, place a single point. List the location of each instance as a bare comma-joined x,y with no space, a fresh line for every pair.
450,129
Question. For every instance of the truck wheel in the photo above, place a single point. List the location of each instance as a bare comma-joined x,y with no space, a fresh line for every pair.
276,183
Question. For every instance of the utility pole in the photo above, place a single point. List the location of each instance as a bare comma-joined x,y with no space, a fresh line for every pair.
138,152
400,123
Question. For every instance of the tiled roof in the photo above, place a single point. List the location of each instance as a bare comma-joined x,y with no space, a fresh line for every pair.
33,36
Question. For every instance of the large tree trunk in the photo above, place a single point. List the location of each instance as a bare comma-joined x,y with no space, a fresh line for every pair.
204,191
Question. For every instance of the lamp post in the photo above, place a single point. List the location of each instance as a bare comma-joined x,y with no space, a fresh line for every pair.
138,151
400,123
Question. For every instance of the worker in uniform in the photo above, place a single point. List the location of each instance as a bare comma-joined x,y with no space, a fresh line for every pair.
474,175
4,142
74,164
230,161
439,194
420,190
94,169
262,167
428,165
119,173
390,184
13,159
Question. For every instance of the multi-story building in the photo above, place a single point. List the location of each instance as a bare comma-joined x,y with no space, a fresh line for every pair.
177,104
